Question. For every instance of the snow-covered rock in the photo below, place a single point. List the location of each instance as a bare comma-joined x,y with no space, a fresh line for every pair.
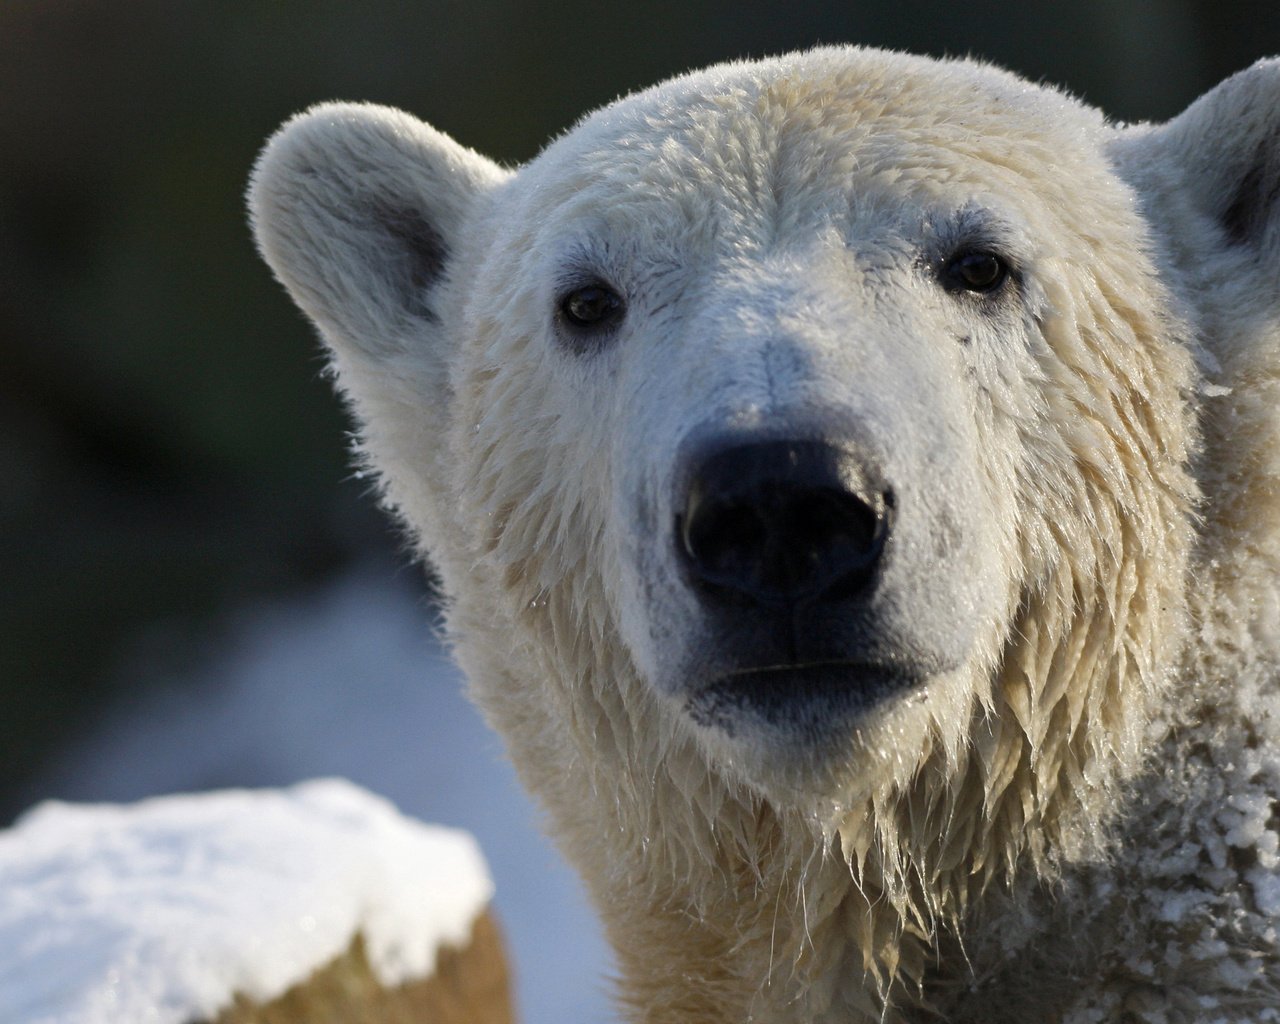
164,910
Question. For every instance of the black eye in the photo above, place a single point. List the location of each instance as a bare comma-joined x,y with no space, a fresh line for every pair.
594,306
975,271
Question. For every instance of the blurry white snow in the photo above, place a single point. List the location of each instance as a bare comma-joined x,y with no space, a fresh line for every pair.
348,682
163,910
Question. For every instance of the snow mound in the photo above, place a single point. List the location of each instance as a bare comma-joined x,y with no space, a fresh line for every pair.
162,911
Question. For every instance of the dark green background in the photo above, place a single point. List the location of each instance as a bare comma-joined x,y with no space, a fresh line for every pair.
168,446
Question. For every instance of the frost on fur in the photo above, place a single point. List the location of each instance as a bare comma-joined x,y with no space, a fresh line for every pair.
855,481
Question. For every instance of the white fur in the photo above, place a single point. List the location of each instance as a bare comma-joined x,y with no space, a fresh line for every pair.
1073,818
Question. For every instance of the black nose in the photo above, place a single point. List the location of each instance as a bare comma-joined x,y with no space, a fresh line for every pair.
784,523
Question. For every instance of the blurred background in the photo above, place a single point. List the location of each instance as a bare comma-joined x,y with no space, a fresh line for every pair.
196,590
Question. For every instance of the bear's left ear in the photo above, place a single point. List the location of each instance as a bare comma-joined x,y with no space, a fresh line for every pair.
1216,165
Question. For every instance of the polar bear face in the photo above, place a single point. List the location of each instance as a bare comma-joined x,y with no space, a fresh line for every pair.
780,362
806,449
776,368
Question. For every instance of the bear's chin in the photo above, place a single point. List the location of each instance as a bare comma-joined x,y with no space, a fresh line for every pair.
813,736
816,702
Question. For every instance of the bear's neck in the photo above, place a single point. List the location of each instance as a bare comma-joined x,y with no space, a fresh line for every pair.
755,916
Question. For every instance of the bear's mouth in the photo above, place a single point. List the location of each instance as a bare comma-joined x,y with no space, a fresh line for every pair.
813,697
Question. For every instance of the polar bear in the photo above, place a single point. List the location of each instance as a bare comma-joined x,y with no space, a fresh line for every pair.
856,483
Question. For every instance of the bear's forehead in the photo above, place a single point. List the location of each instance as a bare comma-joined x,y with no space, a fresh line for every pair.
847,118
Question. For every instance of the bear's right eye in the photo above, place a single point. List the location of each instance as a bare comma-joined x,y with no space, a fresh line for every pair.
975,270
592,307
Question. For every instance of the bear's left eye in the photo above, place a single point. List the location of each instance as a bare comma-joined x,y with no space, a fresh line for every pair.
591,307
975,270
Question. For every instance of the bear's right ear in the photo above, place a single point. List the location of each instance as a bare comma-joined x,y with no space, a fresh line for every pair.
357,209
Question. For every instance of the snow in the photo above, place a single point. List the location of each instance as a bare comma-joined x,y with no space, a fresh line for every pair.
163,910
349,682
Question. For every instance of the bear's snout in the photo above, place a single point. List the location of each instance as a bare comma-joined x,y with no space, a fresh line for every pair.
794,553
783,524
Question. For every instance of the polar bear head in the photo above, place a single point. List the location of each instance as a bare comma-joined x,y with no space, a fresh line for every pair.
803,449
